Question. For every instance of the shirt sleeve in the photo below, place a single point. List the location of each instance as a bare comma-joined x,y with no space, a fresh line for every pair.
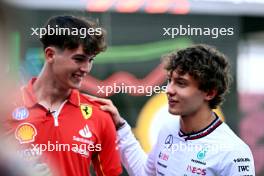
135,160
238,162
107,161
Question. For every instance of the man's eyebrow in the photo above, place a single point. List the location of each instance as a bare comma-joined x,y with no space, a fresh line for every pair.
79,55
180,78
83,56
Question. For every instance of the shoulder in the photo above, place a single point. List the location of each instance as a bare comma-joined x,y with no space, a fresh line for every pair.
170,127
238,145
171,124
225,133
236,152
226,140
86,100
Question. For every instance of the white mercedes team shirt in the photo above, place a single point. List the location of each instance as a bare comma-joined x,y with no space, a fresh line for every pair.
213,151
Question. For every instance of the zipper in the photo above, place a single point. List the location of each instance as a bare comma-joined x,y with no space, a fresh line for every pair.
57,113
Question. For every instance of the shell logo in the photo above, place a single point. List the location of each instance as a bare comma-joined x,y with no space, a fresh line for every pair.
25,133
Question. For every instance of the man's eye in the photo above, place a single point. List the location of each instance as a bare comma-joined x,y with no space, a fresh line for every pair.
78,59
181,83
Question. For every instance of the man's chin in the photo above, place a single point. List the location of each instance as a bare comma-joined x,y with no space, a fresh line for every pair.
174,112
76,85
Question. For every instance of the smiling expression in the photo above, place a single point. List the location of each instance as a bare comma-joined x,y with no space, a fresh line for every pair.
70,66
184,96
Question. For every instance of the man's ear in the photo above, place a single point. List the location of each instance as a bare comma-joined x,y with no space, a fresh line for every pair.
49,54
209,95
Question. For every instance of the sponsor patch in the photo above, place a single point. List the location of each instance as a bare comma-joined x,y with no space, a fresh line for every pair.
196,170
163,156
85,132
86,111
201,154
25,133
20,113
244,168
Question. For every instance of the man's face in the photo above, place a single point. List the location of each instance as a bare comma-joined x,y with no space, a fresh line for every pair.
71,66
184,97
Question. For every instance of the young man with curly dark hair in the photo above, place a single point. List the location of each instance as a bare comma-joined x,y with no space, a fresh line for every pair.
52,120
195,141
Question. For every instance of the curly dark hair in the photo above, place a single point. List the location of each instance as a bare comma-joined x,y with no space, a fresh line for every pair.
92,44
205,64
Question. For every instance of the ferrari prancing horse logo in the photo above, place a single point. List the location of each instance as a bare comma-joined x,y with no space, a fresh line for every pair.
86,111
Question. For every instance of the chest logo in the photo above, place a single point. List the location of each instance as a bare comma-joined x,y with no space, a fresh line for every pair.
201,154
20,113
85,132
25,133
86,111
169,141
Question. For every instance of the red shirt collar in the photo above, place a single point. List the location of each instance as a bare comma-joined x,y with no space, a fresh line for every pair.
30,100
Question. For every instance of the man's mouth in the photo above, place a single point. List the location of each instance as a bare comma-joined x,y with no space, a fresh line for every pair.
172,101
78,76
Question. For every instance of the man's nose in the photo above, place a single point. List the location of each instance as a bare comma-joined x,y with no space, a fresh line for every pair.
170,89
86,66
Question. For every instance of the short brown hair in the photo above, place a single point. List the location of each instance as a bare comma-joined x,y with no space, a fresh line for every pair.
205,64
92,44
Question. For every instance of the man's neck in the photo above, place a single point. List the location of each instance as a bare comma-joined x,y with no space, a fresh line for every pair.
49,93
197,121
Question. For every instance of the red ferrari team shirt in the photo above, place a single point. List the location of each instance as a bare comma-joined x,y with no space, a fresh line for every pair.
68,140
